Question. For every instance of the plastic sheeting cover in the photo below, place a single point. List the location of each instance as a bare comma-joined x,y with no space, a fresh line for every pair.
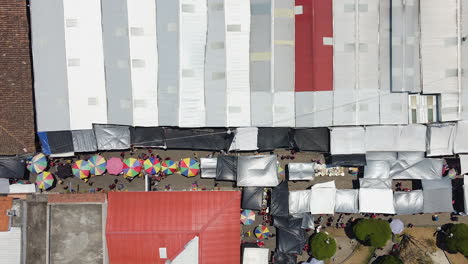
60,142
423,169
440,138
301,171
375,183
279,204
272,138
112,137
307,221
411,156
396,138
13,168
84,141
347,160
347,140
444,183
4,185
208,167
409,202
381,155
283,258
22,188
377,169
311,139
376,201
226,168
252,198
437,200
147,136
200,139
463,164
322,199
461,140
257,171
299,201
346,201
255,256
291,240
245,138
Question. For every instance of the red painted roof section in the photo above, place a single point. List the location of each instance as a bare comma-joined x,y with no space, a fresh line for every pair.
139,223
314,60
5,204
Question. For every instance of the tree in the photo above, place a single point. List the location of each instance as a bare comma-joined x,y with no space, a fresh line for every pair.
388,259
457,239
322,246
374,232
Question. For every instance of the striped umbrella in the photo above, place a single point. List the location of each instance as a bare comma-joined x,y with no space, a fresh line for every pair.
262,232
168,167
81,169
131,167
38,163
152,165
281,172
114,166
97,165
189,167
45,180
247,217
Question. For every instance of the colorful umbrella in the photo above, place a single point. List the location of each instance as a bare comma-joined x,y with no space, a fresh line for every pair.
81,169
152,165
281,172
262,232
38,163
131,167
168,167
114,166
247,217
45,180
97,165
189,167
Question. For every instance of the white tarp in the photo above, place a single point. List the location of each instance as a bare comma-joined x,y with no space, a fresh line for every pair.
257,171
440,138
245,138
322,199
377,169
422,169
192,41
255,256
301,171
461,140
409,202
411,156
463,164
189,254
375,183
437,200
208,167
381,155
396,138
347,140
237,19
444,183
299,201
22,188
10,246
346,201
313,109
376,201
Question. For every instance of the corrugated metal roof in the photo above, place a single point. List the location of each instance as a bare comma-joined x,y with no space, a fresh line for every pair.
10,246
140,223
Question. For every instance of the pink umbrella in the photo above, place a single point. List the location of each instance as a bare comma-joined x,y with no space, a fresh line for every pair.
114,166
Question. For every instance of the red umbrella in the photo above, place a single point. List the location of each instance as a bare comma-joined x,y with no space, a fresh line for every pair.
114,166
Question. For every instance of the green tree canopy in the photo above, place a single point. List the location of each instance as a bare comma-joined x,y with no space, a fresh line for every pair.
388,259
322,246
458,242
374,232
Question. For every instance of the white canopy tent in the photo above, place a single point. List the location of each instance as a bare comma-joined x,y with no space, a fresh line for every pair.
409,202
346,201
255,256
396,138
245,138
322,199
461,140
376,201
299,201
347,140
301,171
440,138
208,167
257,171
375,183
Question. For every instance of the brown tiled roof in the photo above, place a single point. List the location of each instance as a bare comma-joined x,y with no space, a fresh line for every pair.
77,198
5,204
16,100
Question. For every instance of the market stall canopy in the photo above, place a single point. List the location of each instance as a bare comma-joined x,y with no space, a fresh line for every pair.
322,199
347,140
299,201
440,138
409,202
375,183
57,143
97,164
460,144
291,240
258,170
252,198
84,140
37,164
64,171
381,155
245,139
444,183
283,258
271,138
112,137
422,169
114,166
255,256
437,200
346,201
214,139
189,167
208,167
396,138
301,171
147,136
279,204
14,168
4,185
376,201
226,168
351,160
310,139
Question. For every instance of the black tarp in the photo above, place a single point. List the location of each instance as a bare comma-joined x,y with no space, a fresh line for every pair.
147,136
279,205
283,258
198,139
271,138
252,198
287,222
60,142
64,171
12,168
226,168
291,240
310,139
352,160
84,141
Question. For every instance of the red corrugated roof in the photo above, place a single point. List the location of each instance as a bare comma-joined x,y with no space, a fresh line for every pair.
139,223
314,60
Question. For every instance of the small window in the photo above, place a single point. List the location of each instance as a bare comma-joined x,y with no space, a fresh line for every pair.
92,101
73,62
71,22
137,31
138,63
